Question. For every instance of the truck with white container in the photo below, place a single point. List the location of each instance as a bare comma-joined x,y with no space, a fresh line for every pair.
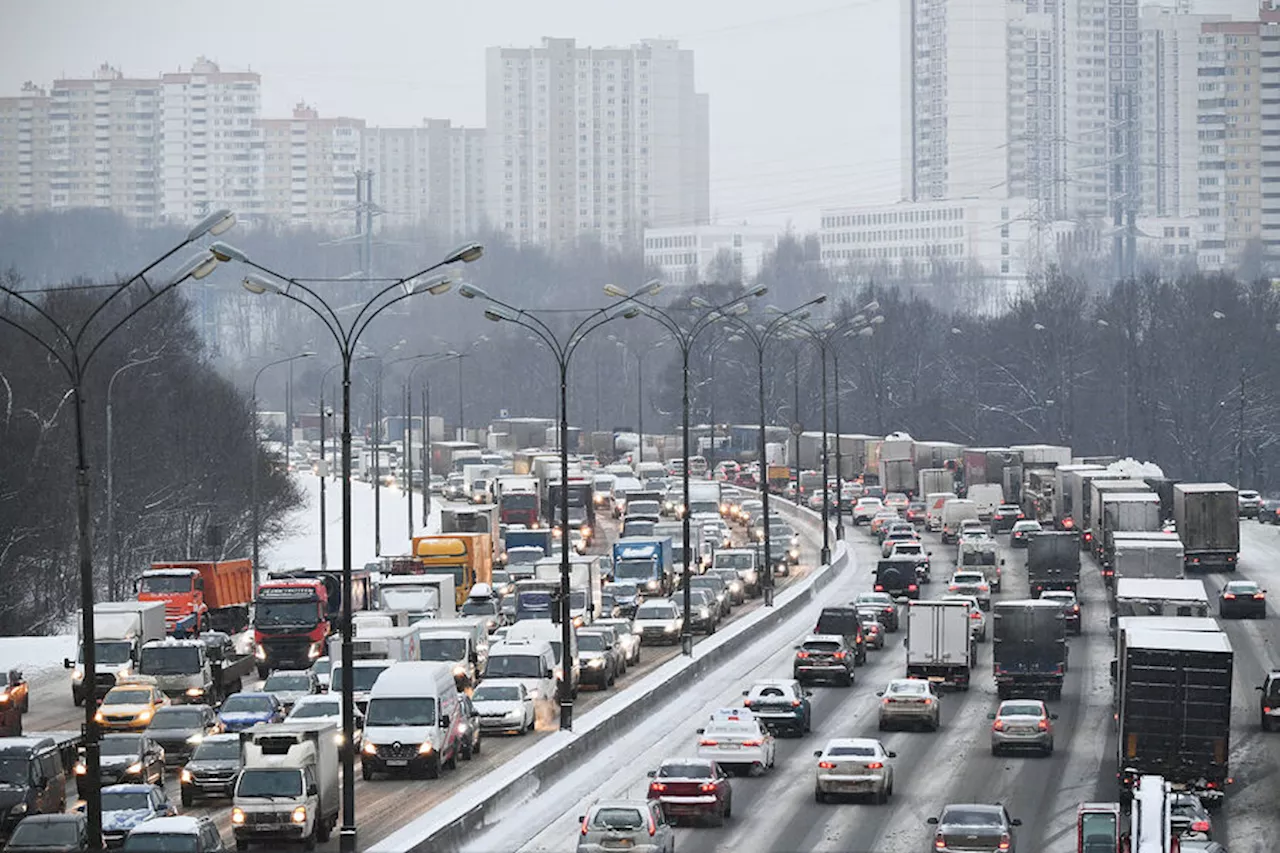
1126,512
1099,489
1147,555
1208,522
1062,510
287,790
939,643
120,630
931,481
422,596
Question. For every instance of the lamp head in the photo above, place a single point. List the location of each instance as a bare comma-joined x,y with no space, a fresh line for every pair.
218,222
651,287
197,267
258,284
699,302
1039,327
870,307
956,331
226,252
470,291
1218,315
866,332
612,290
466,253
435,285
758,291
877,320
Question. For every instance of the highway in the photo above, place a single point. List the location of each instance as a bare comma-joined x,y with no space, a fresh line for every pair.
777,812
384,805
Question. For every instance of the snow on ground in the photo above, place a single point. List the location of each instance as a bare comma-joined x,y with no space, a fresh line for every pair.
36,657
301,544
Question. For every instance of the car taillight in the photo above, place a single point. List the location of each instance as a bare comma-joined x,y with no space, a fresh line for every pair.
886,701
584,824
838,656
1266,709
659,787
1043,725
998,725
1229,595
1004,842
796,703
952,588
707,787
705,742
1259,595
827,765
939,843
888,610
975,615
1075,608
753,743
802,655
1200,826
928,701
911,587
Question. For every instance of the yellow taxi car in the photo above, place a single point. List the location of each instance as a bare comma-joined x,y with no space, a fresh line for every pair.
130,705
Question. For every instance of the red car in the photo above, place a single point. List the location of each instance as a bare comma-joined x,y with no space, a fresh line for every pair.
692,788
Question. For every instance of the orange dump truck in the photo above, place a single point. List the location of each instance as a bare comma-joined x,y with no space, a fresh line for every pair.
200,596
468,557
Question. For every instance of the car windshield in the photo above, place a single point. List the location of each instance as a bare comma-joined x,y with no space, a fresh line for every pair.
164,584
577,599
914,688
270,782
397,711
309,710
362,679
112,652
860,751
660,612
178,718
591,643
821,646
969,817
513,666
274,614
617,818
442,648
217,750
478,607
685,770
170,660
127,697
16,770
286,682
496,693
38,836
633,569
124,801
242,704
127,745
734,561
1020,709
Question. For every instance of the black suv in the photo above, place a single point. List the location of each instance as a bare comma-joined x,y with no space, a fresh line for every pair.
1005,517
824,657
847,622
897,577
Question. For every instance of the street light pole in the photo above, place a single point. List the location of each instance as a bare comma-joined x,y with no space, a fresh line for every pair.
407,391
111,495
426,451
347,337
254,459
73,365
562,349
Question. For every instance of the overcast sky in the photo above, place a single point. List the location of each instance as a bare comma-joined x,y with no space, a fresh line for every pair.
804,93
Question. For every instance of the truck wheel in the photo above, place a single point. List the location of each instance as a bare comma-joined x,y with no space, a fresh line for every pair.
309,843
366,771
263,670
323,830
187,798
77,699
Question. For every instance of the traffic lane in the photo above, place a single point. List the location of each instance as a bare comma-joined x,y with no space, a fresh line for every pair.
620,770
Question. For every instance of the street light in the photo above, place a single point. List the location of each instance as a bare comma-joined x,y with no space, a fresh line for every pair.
562,349
407,392
639,384
824,338
760,336
684,337
347,337
254,460
73,353
376,457
111,497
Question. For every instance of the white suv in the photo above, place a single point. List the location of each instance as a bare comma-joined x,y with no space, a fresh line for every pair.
865,510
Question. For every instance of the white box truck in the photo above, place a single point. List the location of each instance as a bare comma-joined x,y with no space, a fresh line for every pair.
423,596
1147,555
939,642
120,630
931,481
288,788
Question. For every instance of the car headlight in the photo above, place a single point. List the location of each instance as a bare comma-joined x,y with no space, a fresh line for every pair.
370,749
134,768
653,584
98,718
425,749
299,814
259,652
794,554
704,612
584,530
78,675
237,816
144,716
185,776
20,808
124,671
195,691
672,628
195,739
595,663
577,621
81,769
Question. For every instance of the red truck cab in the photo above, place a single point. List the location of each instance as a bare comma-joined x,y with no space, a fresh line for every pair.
290,624
199,595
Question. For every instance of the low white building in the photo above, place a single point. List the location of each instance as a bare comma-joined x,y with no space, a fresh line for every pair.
686,255
993,234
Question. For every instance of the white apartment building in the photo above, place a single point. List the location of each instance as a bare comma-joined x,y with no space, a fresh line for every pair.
602,142
689,255
104,143
432,175
211,154
24,150
994,235
309,168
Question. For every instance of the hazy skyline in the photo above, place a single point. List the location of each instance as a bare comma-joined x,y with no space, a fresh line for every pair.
804,97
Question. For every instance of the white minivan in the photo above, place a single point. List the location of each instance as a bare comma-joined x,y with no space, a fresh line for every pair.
933,504
410,721
550,633
986,496
530,662
954,512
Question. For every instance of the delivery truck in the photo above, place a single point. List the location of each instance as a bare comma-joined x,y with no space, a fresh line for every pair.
1208,522
1125,512
423,596
287,790
933,481
200,596
1029,648
120,630
1147,555
939,643
1053,561
645,562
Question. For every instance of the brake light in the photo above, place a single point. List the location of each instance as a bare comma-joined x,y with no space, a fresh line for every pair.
1259,595
1200,826
975,615
753,743
1004,842
1021,516
802,655
939,843
879,587
998,725
746,703
584,824
827,765
888,610
983,588
1228,595
1075,608
659,787
838,656
1043,725
928,701
705,742
707,787
796,703
1266,709
952,588
911,587
876,765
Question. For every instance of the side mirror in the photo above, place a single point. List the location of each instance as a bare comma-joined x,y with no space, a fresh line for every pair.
652,774
68,664
808,693
1016,822
1259,688
817,753
880,693
701,731
892,754
933,821
444,721
1053,716
797,648
581,818
548,674
1002,562
747,692
312,790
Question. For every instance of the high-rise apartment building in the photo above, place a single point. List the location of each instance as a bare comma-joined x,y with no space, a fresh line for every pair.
211,151
103,143
309,167
602,142
24,150
432,175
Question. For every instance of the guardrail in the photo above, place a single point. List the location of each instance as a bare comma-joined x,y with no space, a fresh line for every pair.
457,821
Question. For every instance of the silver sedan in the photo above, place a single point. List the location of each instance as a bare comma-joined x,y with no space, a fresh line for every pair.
1022,724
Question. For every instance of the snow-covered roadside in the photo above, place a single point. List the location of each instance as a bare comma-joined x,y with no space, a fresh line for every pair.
37,658
301,545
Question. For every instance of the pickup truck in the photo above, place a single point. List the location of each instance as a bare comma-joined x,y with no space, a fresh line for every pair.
206,670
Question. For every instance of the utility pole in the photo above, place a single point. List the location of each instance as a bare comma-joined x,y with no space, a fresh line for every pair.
1117,182
1132,195
1240,433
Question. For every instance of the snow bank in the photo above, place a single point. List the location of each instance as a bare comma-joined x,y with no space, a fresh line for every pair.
36,656
1134,469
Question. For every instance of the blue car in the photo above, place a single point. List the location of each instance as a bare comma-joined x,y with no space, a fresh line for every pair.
781,705
244,710
126,806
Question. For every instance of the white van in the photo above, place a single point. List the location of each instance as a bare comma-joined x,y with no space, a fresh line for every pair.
409,723
933,509
461,642
986,496
530,662
547,631
955,511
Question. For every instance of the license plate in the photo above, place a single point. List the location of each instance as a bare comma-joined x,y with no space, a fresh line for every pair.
728,746
620,843
937,679
397,762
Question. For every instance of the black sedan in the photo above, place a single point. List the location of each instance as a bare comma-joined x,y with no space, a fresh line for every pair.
1005,516
1242,600
127,757
179,728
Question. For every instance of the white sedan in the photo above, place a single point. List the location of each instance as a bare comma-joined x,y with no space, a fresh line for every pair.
737,741
326,707
854,766
504,705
